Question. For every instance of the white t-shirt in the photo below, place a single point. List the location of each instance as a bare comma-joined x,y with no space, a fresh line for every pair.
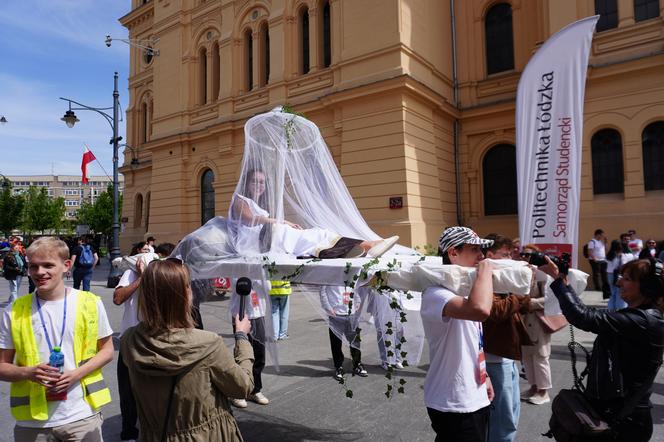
635,245
596,250
451,384
130,315
74,408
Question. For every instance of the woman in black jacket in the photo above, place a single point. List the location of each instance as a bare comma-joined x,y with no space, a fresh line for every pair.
628,350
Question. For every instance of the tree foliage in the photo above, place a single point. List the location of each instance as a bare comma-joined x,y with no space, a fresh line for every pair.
11,208
98,216
38,212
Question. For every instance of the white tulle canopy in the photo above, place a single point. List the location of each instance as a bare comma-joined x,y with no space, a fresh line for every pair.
290,197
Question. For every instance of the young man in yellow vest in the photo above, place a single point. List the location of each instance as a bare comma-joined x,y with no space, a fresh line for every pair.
279,296
48,404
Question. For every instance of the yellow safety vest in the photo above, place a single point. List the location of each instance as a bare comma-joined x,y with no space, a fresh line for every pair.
280,288
28,399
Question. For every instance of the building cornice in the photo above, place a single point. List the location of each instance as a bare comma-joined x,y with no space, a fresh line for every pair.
137,16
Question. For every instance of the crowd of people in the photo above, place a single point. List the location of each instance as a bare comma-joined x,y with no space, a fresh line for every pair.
168,366
606,258
475,341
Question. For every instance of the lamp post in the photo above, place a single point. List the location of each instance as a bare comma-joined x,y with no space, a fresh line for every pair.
134,154
70,119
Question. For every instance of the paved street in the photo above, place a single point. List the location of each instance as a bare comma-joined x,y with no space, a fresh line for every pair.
308,405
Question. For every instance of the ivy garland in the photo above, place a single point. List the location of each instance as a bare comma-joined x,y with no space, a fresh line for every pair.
395,383
289,126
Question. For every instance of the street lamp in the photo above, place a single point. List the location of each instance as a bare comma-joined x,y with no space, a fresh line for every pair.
134,154
70,119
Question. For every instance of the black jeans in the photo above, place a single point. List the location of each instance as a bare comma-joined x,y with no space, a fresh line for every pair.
460,427
127,403
635,428
84,275
257,340
600,275
343,324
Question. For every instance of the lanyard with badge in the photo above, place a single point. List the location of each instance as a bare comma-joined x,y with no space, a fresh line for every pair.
56,358
64,322
481,360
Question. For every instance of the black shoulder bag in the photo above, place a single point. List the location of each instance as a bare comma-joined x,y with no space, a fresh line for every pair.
574,419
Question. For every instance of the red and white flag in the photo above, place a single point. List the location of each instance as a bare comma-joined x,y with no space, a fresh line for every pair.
88,157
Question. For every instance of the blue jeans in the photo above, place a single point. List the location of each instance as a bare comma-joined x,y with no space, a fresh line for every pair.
279,315
13,288
382,350
82,274
504,418
615,301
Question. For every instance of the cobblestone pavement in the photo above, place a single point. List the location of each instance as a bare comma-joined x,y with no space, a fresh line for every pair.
306,404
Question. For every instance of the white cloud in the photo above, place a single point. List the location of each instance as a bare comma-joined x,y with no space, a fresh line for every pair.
80,22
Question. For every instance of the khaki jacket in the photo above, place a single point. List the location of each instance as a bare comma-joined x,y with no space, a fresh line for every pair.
207,376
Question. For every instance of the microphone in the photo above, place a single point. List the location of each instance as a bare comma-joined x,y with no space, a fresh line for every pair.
242,288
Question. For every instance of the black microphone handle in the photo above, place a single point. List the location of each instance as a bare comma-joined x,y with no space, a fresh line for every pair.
241,307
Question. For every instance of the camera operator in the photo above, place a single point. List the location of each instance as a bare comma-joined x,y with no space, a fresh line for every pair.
628,350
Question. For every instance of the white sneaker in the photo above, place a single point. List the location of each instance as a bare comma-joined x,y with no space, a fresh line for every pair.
382,247
539,399
239,403
525,395
399,365
259,398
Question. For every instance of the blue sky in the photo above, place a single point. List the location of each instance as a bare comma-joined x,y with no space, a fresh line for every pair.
54,49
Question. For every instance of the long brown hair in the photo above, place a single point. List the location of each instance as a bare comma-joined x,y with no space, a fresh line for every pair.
165,299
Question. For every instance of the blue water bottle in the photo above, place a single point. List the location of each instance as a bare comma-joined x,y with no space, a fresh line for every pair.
57,360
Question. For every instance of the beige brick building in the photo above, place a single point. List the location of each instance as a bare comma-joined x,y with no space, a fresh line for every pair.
69,187
415,98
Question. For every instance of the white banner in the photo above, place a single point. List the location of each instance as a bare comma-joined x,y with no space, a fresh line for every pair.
549,127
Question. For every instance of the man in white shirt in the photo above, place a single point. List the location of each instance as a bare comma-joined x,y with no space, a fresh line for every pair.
457,391
597,259
635,244
49,403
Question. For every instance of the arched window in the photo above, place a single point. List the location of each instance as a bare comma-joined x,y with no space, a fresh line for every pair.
202,76
249,59
499,176
304,40
608,14
147,212
327,36
265,54
499,39
150,117
645,9
207,196
215,72
652,141
607,160
138,210
145,122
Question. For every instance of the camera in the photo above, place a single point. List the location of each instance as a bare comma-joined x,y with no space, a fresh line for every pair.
539,259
